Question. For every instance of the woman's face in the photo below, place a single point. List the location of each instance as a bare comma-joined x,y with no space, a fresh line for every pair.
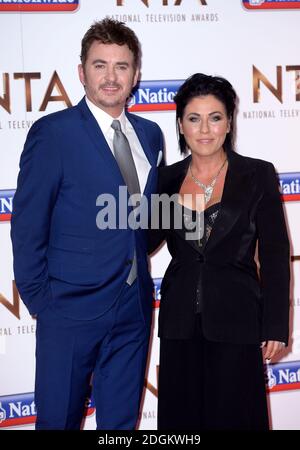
204,125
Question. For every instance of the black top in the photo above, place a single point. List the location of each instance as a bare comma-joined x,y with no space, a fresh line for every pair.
204,220
201,225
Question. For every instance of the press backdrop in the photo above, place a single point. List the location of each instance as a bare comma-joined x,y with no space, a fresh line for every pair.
255,44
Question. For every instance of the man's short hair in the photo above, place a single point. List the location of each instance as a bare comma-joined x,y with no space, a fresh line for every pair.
109,31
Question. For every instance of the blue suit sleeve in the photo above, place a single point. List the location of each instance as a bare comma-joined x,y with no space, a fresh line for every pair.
37,189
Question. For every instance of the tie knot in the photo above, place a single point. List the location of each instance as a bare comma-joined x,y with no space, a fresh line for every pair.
116,125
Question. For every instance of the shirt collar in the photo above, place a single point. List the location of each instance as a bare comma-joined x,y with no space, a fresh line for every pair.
105,120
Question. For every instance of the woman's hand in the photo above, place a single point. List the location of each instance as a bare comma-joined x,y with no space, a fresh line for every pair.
272,348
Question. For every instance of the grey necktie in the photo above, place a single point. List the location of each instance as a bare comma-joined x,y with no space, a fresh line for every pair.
124,158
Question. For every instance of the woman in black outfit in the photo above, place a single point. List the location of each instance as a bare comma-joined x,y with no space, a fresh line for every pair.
217,308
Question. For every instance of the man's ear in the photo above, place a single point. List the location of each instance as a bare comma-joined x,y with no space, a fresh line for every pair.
81,74
136,77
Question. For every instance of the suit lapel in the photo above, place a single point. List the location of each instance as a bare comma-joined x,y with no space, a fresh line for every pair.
94,131
171,183
97,137
174,188
235,194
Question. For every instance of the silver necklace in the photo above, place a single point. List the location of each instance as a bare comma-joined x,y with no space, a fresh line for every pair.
207,188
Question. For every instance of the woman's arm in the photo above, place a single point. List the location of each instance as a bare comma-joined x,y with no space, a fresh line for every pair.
274,258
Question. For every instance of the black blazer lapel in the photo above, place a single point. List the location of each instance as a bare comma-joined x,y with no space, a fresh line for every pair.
170,183
171,177
235,195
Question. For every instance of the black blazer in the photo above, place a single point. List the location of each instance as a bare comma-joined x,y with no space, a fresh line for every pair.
239,305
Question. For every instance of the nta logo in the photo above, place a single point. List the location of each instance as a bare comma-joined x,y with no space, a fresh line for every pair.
164,2
259,78
55,84
14,307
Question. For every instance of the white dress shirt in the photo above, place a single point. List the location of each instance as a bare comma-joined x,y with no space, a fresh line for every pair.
104,121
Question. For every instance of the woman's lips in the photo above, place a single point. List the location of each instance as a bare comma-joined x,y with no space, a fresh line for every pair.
205,141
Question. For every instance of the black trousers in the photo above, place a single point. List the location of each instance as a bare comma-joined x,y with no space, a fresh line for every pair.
206,385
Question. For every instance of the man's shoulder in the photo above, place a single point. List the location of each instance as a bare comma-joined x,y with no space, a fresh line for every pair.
70,113
62,115
55,121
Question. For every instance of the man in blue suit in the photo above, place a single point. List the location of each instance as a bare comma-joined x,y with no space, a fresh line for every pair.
89,288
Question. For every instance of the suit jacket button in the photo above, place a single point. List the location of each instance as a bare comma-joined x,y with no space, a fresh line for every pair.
129,262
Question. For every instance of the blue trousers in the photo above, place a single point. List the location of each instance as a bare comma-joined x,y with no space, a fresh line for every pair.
111,348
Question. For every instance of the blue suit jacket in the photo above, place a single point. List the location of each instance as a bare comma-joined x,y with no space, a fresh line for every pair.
60,256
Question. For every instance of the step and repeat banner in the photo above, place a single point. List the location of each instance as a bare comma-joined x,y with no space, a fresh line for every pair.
252,43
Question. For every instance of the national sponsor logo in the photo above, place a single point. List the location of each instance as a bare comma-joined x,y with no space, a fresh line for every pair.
290,186
38,5
19,409
271,4
156,293
283,376
6,198
154,96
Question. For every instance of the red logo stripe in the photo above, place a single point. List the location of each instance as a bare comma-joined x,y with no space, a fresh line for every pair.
284,387
5,217
153,107
38,8
275,5
290,197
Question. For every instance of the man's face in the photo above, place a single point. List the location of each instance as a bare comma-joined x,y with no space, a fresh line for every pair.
108,76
